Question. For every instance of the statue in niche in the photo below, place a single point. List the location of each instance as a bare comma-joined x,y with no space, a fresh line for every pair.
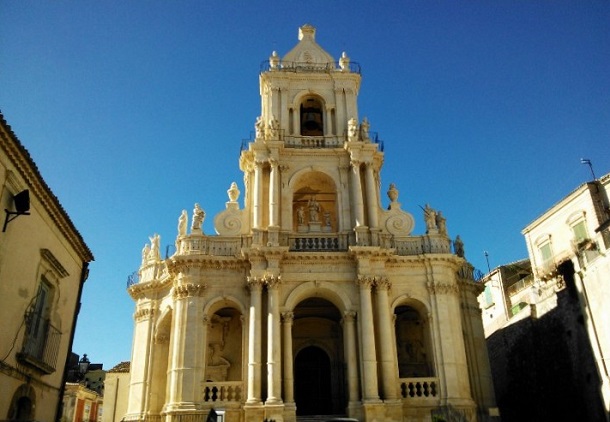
198,216
364,129
352,130
458,246
430,218
441,223
314,210
301,215
259,127
182,222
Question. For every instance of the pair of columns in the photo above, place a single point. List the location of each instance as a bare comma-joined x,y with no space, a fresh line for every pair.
369,379
274,194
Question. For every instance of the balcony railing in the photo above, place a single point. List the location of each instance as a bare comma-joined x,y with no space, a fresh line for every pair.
419,388
223,392
319,242
215,246
309,67
41,344
297,141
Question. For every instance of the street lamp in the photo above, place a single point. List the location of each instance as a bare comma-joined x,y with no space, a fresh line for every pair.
83,366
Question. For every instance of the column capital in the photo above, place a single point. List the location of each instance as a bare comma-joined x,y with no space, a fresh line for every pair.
365,281
288,317
255,283
182,291
349,316
382,283
274,163
272,282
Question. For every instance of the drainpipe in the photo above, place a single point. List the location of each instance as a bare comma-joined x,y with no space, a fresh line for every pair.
83,277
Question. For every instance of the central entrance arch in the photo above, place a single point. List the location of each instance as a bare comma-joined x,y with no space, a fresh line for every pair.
313,383
319,363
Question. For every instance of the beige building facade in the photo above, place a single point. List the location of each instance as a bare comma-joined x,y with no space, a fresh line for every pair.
43,266
312,298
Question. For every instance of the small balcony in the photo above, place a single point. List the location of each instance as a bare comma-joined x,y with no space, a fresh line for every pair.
40,345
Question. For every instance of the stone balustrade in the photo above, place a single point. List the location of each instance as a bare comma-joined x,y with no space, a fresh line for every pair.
418,245
216,246
418,388
223,391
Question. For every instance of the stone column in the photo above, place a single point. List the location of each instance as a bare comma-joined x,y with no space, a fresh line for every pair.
370,391
357,194
287,319
351,355
274,194
142,337
327,123
371,196
388,362
274,347
254,341
186,367
258,195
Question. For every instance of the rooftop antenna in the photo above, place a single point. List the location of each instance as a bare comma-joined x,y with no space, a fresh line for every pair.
487,259
588,162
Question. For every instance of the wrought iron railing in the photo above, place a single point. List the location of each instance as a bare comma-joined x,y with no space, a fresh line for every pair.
41,343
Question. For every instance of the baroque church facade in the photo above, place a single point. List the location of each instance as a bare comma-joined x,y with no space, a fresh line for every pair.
311,299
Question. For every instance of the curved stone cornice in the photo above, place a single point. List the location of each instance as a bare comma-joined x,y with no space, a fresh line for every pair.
182,291
471,286
179,263
308,257
141,289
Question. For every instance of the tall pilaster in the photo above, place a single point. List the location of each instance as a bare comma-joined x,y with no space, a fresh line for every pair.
274,194
287,320
351,355
370,391
274,346
258,195
388,365
357,194
254,340
186,366
142,337
371,195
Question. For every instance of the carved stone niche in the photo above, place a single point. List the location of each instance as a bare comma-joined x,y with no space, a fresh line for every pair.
217,368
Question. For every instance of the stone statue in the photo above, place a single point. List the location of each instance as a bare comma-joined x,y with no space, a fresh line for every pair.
458,246
182,222
314,210
441,223
301,215
352,130
274,60
430,217
274,128
259,127
198,216
364,129
154,253
344,61
145,253
327,219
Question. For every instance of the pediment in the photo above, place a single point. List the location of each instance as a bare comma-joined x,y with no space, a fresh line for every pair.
307,51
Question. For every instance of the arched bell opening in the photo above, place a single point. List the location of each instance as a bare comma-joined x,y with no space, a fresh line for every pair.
413,345
312,117
319,374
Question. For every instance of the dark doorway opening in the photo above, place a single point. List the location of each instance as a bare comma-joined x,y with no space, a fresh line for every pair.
313,389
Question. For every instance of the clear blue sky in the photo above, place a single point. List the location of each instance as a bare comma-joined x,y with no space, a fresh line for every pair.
135,110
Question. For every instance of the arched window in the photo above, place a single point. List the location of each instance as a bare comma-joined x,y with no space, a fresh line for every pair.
312,121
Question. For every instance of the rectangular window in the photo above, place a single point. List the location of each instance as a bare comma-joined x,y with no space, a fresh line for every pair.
580,231
489,300
546,253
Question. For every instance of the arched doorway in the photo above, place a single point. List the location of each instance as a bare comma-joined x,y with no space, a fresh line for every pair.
319,365
312,382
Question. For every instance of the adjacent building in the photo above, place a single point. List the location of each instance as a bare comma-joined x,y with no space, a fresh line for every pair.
547,327
312,299
43,266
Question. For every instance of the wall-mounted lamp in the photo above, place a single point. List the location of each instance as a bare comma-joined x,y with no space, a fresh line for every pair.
22,205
